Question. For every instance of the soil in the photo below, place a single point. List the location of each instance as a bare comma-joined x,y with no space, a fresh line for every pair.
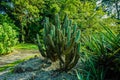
36,68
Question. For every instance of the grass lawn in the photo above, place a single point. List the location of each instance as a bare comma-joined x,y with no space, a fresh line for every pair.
26,46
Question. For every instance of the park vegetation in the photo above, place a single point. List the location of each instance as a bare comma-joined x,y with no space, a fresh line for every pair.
69,31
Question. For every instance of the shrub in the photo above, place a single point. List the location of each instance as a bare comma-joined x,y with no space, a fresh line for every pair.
102,56
61,42
7,38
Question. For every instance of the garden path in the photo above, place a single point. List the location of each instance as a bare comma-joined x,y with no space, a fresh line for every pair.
17,55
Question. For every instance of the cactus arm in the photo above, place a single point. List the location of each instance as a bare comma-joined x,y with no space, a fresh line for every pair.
69,49
40,47
74,28
77,36
51,41
57,21
76,58
69,36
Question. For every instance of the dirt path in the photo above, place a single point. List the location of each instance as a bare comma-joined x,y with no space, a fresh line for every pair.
17,55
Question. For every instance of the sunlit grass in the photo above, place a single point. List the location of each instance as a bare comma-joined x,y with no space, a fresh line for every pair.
26,46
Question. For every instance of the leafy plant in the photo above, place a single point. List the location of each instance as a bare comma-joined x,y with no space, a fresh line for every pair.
7,38
101,56
61,42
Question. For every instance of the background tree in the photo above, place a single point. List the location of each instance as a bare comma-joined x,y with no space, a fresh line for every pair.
112,7
27,14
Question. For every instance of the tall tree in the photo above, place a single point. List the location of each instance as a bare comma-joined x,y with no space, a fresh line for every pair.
25,13
113,6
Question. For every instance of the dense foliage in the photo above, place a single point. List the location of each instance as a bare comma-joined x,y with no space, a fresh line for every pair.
29,15
98,20
7,38
101,59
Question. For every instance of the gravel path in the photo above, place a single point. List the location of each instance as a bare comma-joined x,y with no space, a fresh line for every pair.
17,55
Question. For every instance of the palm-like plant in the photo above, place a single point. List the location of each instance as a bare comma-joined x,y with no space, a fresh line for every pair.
102,55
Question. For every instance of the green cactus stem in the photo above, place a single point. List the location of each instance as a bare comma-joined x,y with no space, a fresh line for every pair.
61,42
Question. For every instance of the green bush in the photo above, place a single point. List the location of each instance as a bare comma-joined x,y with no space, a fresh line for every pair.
7,38
61,42
101,59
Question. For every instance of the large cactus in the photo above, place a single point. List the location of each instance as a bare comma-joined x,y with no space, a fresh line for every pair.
61,42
